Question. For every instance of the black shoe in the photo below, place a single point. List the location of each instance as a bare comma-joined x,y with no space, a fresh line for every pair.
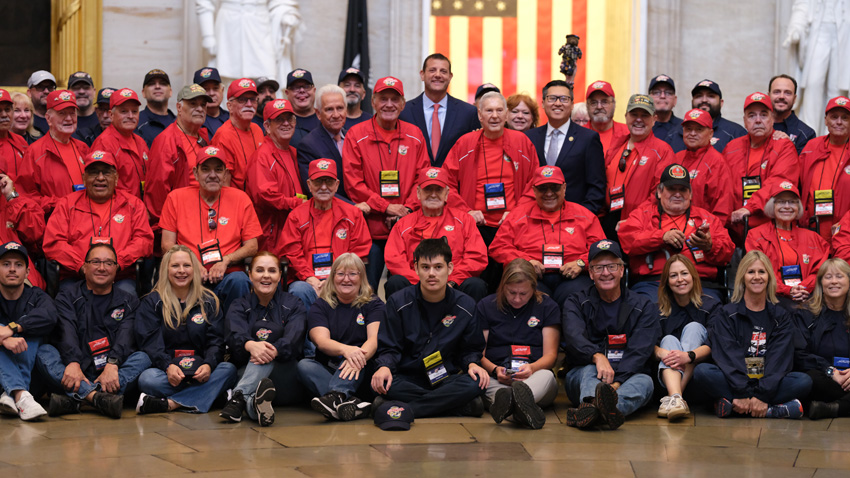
263,402
327,404
606,402
148,404
108,404
353,408
503,405
818,410
526,411
377,402
585,416
475,408
61,404
234,407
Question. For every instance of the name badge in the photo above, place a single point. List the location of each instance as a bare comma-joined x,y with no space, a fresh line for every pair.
301,196
100,352
142,184
553,256
841,362
791,275
210,252
699,255
824,202
616,347
100,240
750,185
322,264
434,368
389,184
755,367
79,187
183,353
494,196
618,197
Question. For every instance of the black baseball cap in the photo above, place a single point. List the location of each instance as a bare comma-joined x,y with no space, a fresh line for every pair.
662,79
351,71
188,364
675,175
605,245
265,80
80,76
156,73
104,94
14,247
298,74
206,73
707,84
393,415
486,88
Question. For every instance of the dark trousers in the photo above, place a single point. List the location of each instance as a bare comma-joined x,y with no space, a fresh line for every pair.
447,399
825,389
492,274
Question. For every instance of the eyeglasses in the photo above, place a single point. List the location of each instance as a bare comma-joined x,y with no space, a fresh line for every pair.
97,172
211,219
347,275
552,99
600,268
623,158
548,188
44,87
98,263
242,100
661,93
785,202
301,88
597,103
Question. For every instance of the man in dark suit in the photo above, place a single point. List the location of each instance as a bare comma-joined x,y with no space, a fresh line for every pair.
574,149
454,117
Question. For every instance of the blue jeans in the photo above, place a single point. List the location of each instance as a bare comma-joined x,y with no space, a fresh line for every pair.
320,379
693,336
196,397
634,393
233,286
710,381
288,391
450,396
307,294
53,369
559,288
375,267
16,369
649,288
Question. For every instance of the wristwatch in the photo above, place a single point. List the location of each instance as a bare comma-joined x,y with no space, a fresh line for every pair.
692,356
12,196
113,361
830,371
580,263
13,326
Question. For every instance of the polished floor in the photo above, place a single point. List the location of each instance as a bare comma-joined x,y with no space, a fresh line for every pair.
302,444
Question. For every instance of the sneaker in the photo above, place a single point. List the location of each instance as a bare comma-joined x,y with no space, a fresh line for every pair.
148,404
526,410
792,410
723,408
664,409
234,407
263,398
108,404
818,410
474,408
678,408
7,405
377,402
28,408
61,404
327,404
353,408
503,405
606,402
585,416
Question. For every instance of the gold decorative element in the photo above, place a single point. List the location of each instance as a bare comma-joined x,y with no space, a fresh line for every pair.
76,39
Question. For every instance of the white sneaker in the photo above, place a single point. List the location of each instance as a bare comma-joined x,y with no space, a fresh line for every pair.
664,409
7,405
28,408
678,408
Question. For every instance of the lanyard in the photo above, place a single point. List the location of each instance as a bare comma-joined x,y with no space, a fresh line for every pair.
316,224
781,240
285,169
543,229
389,144
100,230
201,142
763,158
501,161
74,147
629,165
837,167
242,147
201,216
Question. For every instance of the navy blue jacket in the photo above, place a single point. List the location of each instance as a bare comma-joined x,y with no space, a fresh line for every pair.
461,118
826,336
206,338
799,132
724,131
40,123
318,144
524,329
582,162
285,316
663,130
34,312
679,317
406,338
150,125
303,126
78,326
585,336
731,335
213,124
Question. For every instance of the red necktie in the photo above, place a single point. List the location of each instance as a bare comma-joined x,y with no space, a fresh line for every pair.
435,131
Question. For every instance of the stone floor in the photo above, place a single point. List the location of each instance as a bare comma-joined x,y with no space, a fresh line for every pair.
302,444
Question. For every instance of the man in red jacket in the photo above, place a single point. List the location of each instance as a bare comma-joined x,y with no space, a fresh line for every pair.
53,166
12,146
381,161
129,149
434,220
655,230
99,213
319,231
24,222
601,104
240,137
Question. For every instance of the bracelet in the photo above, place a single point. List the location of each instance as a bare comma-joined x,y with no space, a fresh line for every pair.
830,371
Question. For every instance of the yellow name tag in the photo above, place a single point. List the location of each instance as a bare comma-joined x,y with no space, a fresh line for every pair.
389,175
433,360
301,196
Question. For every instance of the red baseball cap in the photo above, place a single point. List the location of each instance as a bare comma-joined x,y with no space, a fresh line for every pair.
122,96
602,86
61,99
782,187
760,98
389,83
275,108
241,86
322,168
700,117
5,97
211,152
837,102
433,176
547,175
100,157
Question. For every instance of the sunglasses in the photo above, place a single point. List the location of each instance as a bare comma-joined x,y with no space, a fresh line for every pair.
211,219
623,158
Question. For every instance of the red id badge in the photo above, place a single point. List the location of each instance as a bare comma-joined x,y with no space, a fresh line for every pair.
183,353
553,256
210,252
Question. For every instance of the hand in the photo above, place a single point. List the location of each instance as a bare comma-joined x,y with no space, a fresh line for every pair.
382,380
758,409
5,332
396,210
208,43
701,239
348,371
7,187
217,271
674,238
504,216
741,405
740,214
364,208
842,377
570,270
799,293
203,373
524,372
355,356
175,375
676,359
316,283
261,352
72,377
478,216
503,376
777,135
108,379
539,268
617,227
604,371
15,345
480,375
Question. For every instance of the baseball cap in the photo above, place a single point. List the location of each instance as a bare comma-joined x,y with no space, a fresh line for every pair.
782,187
389,83
707,84
104,94
602,86
298,74
211,152
5,97
351,71
547,175
80,76
699,117
122,96
662,79
61,99
206,74
322,168
265,80
605,245
641,102
39,76
486,88
431,176
760,98
100,157
275,108
190,92
188,364
241,86
18,248
838,102
675,175
153,74
393,415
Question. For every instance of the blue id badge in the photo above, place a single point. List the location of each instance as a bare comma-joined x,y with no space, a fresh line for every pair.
79,187
841,362
322,265
791,275
494,196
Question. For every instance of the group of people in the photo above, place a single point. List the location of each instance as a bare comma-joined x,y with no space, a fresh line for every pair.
240,250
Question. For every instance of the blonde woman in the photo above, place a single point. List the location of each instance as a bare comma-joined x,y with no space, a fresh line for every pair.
180,326
22,118
12,146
